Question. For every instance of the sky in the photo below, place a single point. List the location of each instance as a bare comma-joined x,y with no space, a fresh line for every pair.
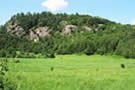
121,11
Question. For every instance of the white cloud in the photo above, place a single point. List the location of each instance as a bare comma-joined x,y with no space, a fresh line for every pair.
133,22
54,5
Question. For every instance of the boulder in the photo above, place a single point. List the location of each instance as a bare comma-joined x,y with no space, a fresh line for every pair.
69,29
42,31
15,29
87,28
33,36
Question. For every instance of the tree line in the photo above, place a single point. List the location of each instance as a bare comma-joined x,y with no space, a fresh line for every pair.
110,38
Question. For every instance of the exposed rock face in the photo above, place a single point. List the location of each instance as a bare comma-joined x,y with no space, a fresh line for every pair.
39,32
87,28
69,29
34,36
34,33
42,31
15,29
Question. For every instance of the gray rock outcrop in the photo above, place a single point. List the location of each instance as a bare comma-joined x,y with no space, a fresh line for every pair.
69,29
33,36
15,29
39,32
42,31
87,28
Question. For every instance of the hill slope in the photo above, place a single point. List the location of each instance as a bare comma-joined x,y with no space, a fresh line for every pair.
44,24
46,34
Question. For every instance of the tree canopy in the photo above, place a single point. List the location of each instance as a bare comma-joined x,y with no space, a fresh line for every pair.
100,37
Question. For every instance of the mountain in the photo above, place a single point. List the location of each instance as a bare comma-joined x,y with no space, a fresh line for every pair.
46,34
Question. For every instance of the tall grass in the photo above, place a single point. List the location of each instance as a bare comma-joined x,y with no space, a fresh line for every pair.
72,72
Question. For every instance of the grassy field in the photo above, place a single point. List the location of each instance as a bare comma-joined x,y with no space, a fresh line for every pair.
72,72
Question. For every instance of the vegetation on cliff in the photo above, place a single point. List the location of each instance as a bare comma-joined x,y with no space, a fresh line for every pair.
46,34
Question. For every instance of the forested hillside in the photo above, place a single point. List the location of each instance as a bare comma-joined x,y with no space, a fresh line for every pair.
46,34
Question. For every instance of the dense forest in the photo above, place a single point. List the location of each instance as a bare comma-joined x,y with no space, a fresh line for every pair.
44,35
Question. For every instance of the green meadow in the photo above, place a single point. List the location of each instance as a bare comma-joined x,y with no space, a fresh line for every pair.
73,72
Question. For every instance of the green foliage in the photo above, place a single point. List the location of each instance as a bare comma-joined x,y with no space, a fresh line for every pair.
104,36
5,84
126,47
29,55
74,72
3,53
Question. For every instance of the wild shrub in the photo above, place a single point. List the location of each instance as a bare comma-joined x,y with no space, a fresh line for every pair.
122,66
5,84
16,61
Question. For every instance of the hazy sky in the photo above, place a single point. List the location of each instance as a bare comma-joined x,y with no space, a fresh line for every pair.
122,11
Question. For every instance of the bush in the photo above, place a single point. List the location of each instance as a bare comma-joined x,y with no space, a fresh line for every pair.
51,56
29,55
3,53
5,84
